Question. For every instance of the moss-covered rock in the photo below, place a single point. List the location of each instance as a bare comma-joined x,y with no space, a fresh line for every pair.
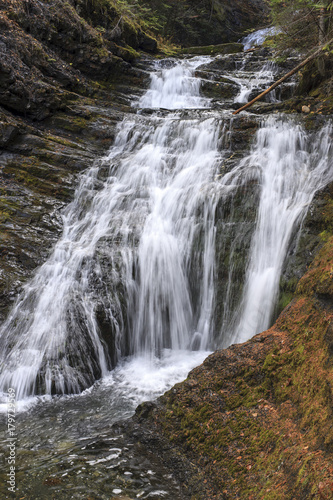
224,48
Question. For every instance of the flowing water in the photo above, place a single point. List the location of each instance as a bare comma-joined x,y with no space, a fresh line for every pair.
132,283
258,37
258,81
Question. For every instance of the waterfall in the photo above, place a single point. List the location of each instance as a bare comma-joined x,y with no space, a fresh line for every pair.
174,86
257,82
258,37
125,249
134,272
290,166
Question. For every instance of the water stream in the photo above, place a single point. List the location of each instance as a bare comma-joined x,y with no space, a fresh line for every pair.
125,305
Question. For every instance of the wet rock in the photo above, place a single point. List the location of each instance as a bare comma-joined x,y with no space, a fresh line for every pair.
144,410
8,132
222,63
221,90
242,133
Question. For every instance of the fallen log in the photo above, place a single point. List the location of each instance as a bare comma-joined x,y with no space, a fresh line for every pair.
288,75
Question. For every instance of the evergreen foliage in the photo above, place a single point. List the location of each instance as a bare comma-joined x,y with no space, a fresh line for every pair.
185,22
305,23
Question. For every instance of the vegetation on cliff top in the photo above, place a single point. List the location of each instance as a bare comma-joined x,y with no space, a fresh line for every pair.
194,22
306,23
305,26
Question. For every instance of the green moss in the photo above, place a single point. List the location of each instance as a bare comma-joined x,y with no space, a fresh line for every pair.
325,235
74,124
61,140
225,48
284,299
327,215
319,278
38,176
280,59
276,42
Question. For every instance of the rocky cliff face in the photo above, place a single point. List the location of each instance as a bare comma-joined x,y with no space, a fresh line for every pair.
49,50
59,104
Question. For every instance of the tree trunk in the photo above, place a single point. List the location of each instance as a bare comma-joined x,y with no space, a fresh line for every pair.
321,34
321,39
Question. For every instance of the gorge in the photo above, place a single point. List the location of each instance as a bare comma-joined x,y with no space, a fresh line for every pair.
187,236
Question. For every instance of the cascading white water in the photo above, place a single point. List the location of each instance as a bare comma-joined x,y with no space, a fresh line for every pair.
291,166
258,81
175,87
185,166
134,271
145,217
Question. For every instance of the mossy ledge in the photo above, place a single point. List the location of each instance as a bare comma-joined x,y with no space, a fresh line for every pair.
224,48
255,420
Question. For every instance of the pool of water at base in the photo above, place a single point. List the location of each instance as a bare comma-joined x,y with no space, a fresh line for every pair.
65,447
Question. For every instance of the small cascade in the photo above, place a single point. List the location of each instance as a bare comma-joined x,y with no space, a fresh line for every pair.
175,87
258,37
256,82
125,254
